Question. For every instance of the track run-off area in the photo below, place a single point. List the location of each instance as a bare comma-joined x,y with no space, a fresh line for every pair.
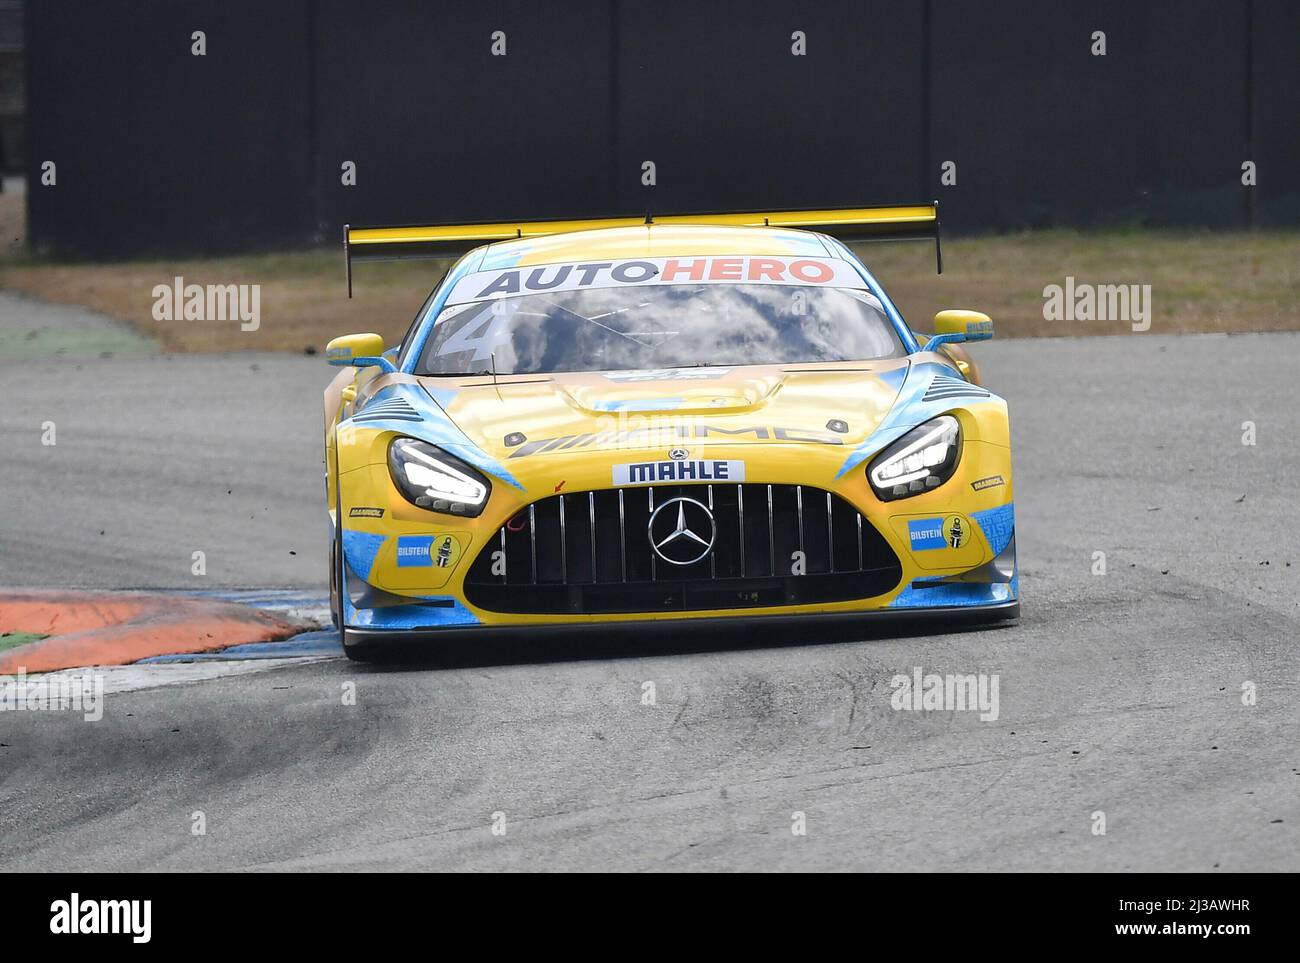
1121,694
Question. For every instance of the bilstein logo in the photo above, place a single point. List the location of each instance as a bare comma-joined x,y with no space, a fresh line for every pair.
414,551
682,531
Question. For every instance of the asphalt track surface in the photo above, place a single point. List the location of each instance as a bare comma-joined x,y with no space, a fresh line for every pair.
1119,693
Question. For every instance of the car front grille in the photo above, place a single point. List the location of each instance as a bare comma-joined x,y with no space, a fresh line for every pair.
590,553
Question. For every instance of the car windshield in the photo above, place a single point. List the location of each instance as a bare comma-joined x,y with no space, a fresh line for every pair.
663,326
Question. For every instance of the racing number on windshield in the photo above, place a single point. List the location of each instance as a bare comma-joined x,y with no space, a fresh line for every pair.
481,334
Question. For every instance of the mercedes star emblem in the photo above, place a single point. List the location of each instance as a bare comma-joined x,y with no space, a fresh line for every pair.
681,531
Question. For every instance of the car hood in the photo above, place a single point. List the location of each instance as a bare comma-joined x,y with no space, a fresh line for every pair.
522,415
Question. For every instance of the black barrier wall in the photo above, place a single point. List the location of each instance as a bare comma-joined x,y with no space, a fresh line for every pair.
156,150
1007,112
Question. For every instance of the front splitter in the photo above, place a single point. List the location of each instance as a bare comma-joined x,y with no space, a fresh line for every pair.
957,616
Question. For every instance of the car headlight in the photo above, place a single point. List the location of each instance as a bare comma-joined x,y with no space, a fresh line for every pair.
432,479
922,459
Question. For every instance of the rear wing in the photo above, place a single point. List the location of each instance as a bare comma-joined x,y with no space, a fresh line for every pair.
911,222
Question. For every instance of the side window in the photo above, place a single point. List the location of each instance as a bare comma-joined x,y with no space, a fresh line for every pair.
419,315
415,321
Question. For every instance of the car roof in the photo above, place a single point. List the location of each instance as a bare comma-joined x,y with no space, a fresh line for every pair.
654,240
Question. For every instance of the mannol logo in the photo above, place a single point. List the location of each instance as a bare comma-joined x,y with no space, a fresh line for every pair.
75,916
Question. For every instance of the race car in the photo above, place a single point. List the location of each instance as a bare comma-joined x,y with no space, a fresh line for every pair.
698,419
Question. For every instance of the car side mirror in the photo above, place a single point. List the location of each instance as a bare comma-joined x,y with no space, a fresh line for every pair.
954,326
358,351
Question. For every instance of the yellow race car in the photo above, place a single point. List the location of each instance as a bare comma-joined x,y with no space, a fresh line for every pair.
698,419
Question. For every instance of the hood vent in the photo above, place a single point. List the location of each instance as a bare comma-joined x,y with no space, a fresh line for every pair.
942,388
392,409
